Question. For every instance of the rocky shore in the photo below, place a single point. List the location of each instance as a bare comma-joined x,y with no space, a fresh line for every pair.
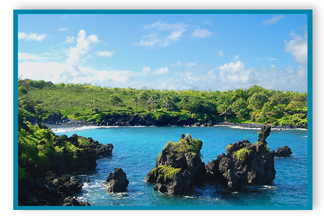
57,185
126,121
136,120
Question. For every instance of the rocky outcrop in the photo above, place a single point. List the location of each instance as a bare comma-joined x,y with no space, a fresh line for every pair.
283,151
117,181
244,164
72,201
178,167
50,185
84,160
51,191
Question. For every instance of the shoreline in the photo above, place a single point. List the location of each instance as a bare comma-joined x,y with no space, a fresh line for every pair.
245,126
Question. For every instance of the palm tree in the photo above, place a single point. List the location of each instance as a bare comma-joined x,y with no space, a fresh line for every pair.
224,104
167,103
135,100
91,104
151,101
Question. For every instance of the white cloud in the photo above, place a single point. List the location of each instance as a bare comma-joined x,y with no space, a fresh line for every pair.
234,72
147,71
69,39
31,36
229,76
82,47
273,20
201,33
107,54
220,53
67,73
297,47
233,75
161,71
174,33
149,40
30,57
63,29
49,71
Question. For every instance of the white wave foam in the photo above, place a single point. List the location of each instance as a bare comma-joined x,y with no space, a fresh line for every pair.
189,197
267,187
258,128
237,127
67,129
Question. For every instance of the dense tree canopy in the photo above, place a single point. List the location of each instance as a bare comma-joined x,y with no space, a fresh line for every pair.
43,101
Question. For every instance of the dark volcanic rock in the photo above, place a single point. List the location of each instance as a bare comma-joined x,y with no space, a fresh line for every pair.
117,181
244,164
178,167
50,191
51,185
85,160
283,151
72,201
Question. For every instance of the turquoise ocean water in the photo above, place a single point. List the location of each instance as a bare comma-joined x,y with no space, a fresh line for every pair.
136,149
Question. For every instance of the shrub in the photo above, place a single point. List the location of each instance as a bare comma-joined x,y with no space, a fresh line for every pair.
166,172
241,154
187,144
22,173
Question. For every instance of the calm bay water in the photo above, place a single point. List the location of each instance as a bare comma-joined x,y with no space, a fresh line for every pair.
136,149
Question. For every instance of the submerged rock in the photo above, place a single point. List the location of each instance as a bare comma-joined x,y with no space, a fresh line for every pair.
283,151
178,167
117,181
244,164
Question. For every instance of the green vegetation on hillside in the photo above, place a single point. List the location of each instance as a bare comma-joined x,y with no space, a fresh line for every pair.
38,146
46,101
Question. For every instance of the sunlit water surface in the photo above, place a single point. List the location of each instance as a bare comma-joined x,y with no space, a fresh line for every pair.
136,149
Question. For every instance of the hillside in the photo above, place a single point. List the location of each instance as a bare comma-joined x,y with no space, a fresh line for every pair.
51,103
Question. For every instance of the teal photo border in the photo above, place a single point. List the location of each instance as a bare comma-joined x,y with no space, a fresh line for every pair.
309,14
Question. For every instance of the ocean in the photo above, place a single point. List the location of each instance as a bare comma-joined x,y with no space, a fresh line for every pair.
136,149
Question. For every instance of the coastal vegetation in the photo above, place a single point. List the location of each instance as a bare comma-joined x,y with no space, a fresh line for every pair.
41,101
45,160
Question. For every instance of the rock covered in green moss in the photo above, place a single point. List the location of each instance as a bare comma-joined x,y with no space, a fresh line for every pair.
178,166
42,156
244,164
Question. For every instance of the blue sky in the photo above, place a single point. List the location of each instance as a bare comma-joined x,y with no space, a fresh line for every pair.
200,52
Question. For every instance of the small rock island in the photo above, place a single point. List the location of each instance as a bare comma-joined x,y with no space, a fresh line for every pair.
179,166
117,182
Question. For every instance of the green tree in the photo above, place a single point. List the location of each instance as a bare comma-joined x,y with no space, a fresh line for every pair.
152,101
91,104
239,107
135,99
224,103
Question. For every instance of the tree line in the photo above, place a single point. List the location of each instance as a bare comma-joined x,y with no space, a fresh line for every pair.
44,101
